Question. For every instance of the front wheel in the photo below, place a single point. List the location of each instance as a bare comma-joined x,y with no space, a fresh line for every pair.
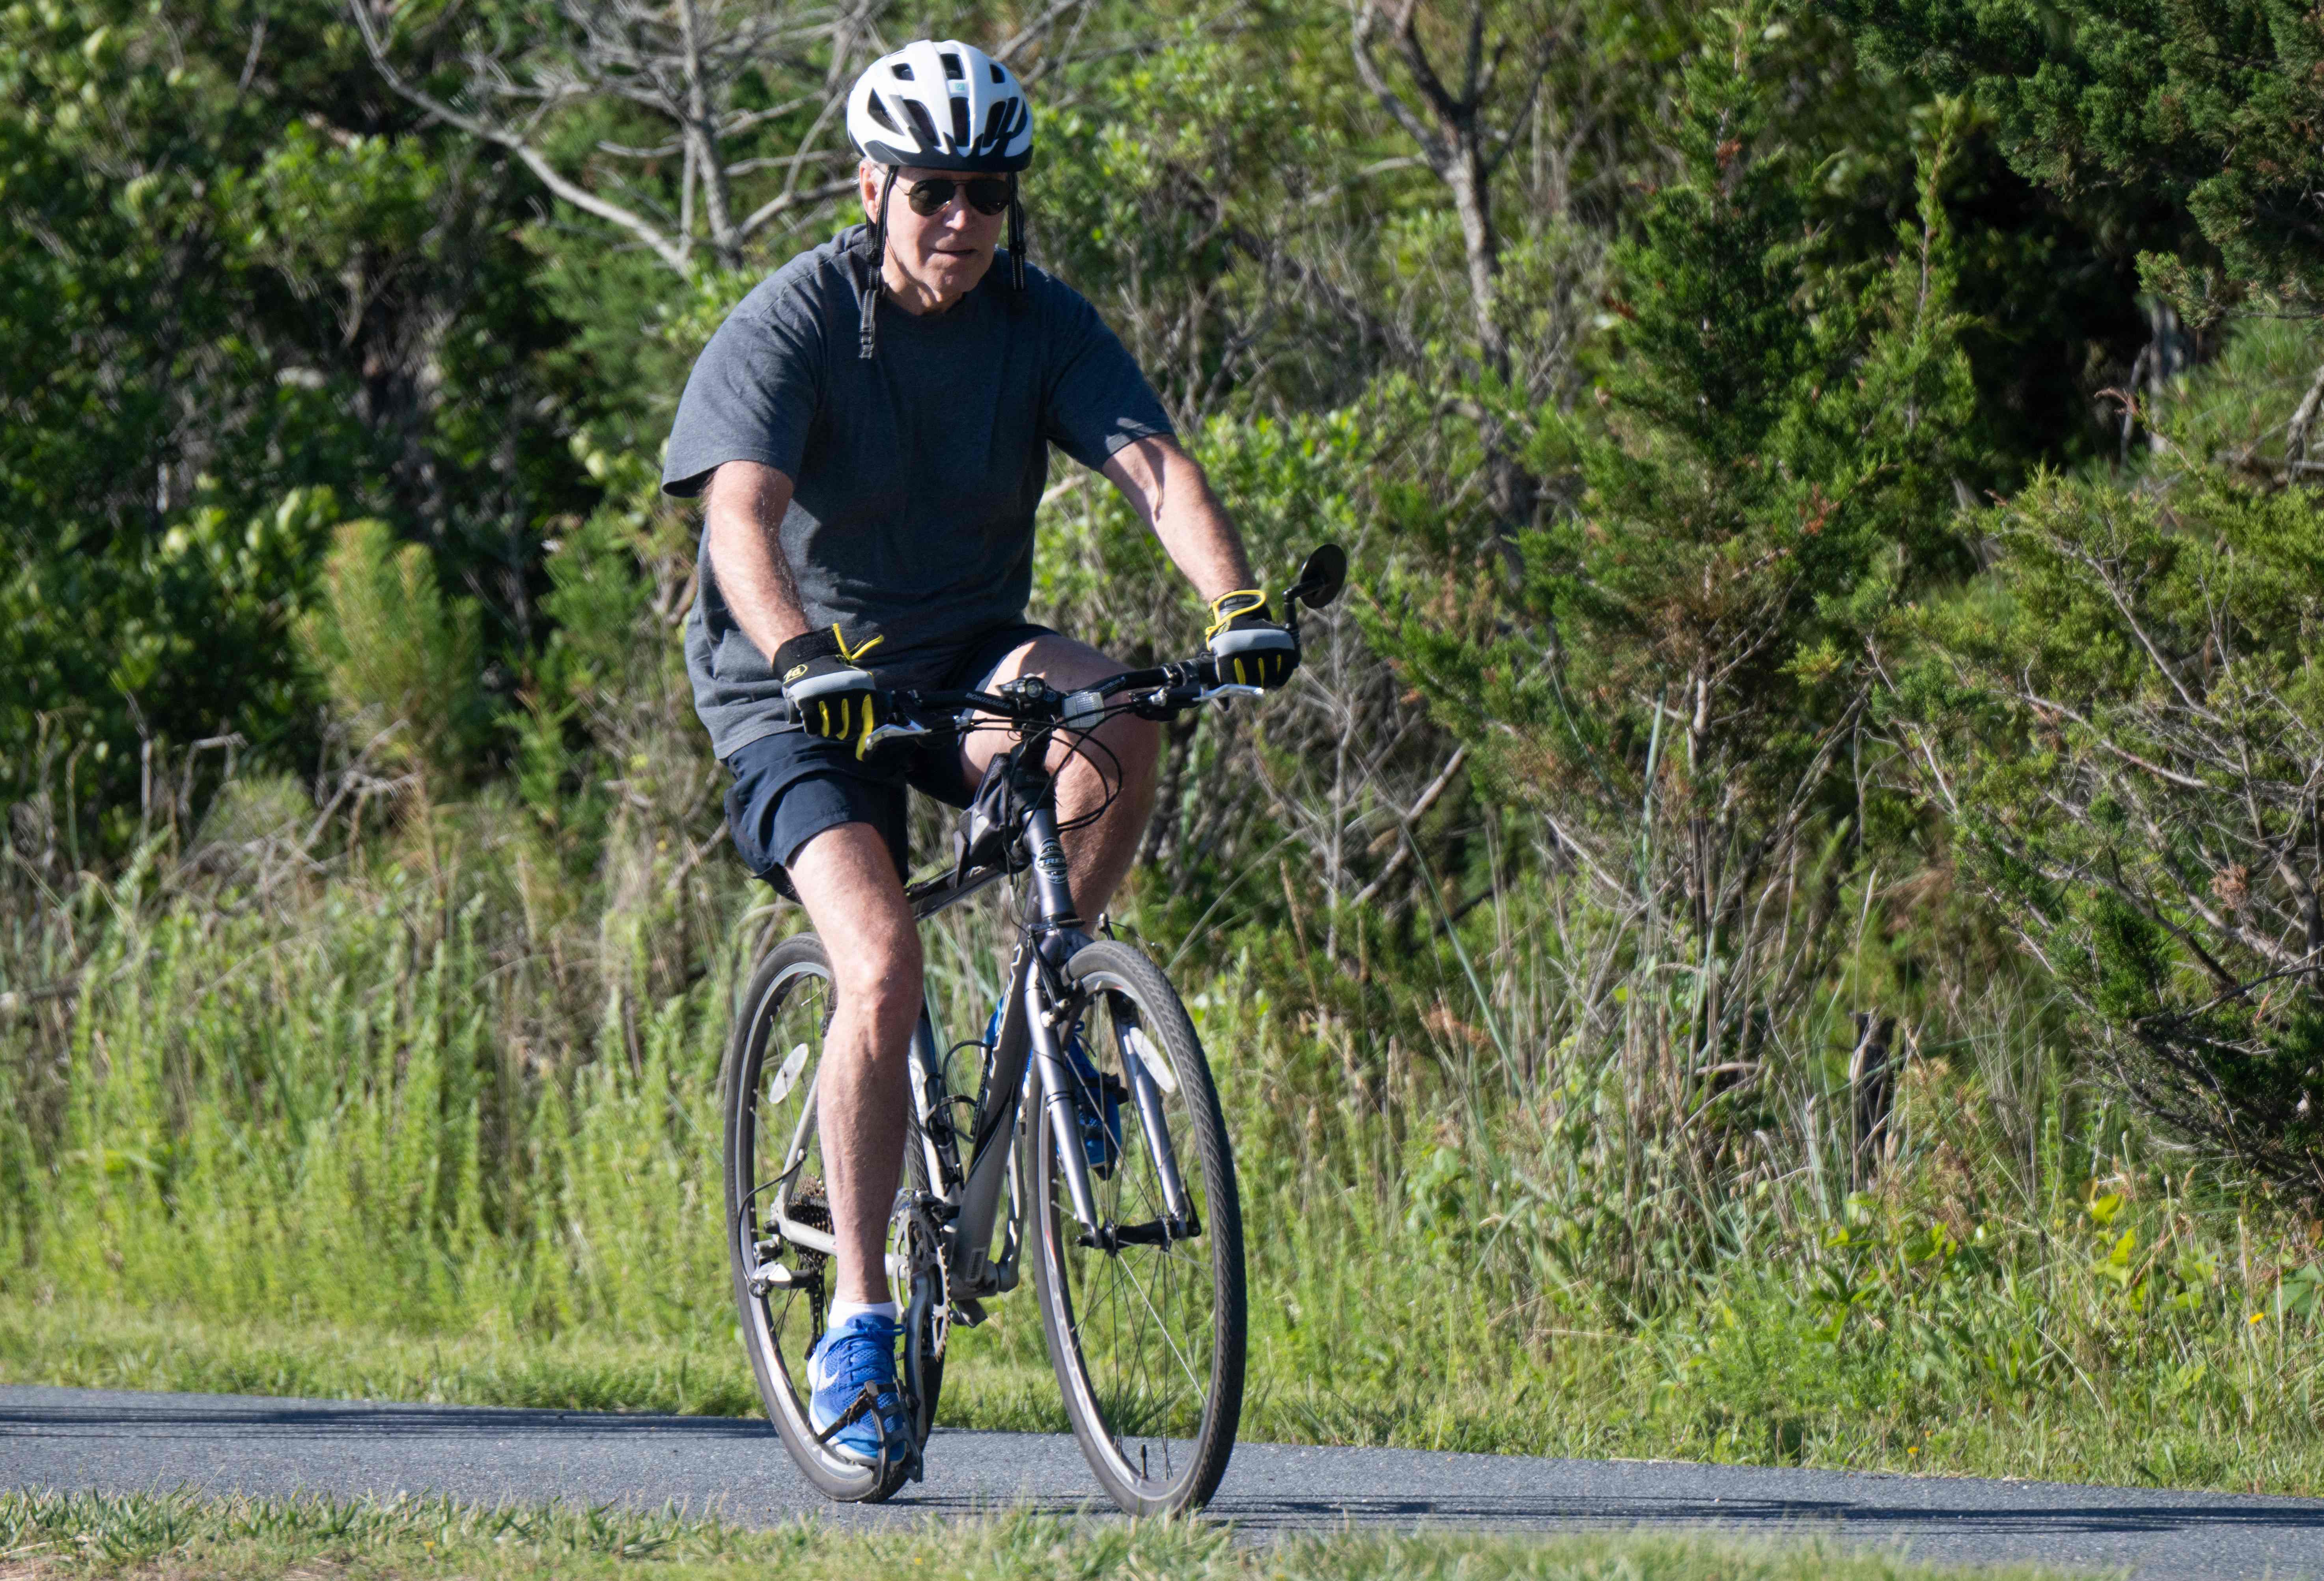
1146,1330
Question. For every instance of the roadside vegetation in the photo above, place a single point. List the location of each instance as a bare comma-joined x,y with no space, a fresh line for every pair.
1779,922
217,1539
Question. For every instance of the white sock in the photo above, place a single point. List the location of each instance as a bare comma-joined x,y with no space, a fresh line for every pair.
842,1311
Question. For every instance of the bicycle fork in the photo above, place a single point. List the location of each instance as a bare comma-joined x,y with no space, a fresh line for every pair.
1049,1026
1030,1068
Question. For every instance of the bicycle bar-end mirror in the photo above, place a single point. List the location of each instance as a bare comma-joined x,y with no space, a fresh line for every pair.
1321,578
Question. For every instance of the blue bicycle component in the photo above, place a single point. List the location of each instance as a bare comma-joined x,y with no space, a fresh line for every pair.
1097,1099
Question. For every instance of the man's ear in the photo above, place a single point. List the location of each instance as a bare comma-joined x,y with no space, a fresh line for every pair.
867,188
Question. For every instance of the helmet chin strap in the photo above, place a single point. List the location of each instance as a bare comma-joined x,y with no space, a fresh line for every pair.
868,334
1016,238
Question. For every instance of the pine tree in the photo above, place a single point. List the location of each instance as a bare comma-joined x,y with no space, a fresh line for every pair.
1680,683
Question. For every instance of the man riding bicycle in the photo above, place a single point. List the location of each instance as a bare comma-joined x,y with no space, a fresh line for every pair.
870,427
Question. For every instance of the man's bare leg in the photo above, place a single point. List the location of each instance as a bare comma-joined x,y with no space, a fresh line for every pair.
1098,856
847,880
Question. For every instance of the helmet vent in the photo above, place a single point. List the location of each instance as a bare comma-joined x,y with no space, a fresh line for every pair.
903,72
879,112
953,73
996,126
998,75
923,127
960,123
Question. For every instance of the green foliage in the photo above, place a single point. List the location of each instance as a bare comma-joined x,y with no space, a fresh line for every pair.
366,1099
2233,414
363,1077
255,288
398,661
2162,117
1765,472
2128,721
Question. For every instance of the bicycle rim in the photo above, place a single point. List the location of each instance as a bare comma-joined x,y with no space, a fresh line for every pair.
1147,1338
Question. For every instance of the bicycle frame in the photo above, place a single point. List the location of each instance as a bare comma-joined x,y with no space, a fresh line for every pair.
1027,1071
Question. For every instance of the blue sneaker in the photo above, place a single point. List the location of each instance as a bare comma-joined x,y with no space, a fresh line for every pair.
1097,1099
859,1352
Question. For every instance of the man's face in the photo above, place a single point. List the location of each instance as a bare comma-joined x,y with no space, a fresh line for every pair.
944,254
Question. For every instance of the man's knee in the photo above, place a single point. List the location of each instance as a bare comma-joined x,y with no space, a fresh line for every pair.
1136,745
846,878
879,970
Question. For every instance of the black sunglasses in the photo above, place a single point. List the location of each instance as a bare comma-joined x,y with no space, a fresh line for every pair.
986,195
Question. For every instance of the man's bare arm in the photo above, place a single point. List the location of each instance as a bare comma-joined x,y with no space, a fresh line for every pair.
1167,488
742,520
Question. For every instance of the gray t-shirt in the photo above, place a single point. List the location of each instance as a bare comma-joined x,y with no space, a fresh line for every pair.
916,473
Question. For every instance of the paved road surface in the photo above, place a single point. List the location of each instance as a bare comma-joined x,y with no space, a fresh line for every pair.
95,1439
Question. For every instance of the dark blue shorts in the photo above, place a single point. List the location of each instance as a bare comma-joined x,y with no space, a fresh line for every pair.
790,787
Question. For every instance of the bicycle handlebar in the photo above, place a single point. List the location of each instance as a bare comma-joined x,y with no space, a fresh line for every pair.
1165,689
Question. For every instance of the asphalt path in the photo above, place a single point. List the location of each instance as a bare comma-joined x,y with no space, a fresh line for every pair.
92,1439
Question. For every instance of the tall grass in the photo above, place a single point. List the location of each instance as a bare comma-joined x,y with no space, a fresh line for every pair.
404,1122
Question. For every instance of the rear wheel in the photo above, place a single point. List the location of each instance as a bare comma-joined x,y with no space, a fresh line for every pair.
1147,1333
774,1181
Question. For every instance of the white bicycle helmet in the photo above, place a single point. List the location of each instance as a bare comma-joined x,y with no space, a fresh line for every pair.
941,106
938,107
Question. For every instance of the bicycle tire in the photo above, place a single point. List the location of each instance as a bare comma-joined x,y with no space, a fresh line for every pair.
787,981
1103,1363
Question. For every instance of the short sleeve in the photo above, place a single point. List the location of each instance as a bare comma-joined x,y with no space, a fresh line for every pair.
751,397
1096,398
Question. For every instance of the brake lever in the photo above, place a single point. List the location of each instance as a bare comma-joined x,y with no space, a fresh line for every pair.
895,732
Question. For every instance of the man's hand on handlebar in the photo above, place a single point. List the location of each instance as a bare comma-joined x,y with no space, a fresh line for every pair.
831,696
835,698
1249,649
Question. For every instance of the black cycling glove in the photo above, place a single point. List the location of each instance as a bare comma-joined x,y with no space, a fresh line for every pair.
832,697
1249,649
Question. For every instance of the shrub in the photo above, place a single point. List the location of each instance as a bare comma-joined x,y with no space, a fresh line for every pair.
399,660
2127,726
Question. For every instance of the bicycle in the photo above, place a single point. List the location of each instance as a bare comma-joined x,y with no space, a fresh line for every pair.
1151,1367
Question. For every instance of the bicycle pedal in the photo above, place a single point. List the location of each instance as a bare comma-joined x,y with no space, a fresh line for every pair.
967,1311
861,1406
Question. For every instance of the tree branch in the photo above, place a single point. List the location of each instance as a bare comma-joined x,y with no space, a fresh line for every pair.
2295,436
1431,148
669,252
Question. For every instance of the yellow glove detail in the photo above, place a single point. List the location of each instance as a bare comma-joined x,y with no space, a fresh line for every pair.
1229,608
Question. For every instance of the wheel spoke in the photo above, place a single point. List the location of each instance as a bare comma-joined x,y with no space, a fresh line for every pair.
1132,1280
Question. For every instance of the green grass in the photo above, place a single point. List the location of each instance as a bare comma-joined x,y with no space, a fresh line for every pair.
179,1535
1748,1391
394,1137
96,1346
